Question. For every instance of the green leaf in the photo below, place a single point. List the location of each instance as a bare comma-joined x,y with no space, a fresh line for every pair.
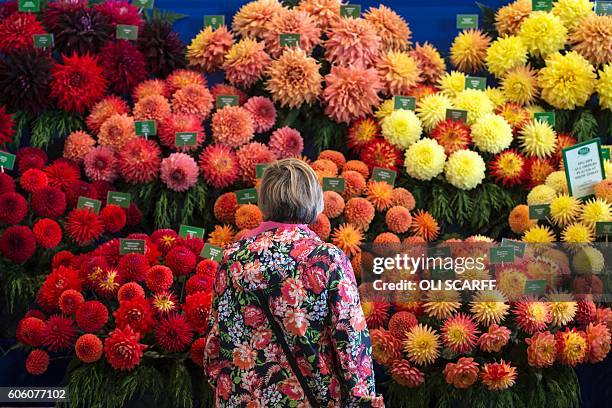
585,127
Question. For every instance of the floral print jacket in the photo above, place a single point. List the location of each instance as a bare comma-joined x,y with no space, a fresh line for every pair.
312,294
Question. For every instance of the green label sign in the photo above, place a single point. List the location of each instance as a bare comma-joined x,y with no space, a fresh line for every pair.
131,246
43,40
90,204
350,10
188,231
479,83
289,40
215,21
535,287
541,5
519,247
605,152
584,169
456,114
603,228
501,254
386,175
7,160
442,274
143,4
212,252
186,139
145,127
29,6
260,169
119,198
247,196
539,212
404,102
465,21
127,32
442,251
547,117
227,100
603,8
337,184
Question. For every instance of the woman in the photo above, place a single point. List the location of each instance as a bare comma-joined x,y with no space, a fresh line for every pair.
286,326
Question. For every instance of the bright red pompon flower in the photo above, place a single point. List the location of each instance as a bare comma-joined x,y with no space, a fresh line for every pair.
84,226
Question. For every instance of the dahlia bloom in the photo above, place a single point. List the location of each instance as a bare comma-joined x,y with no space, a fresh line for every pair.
543,33
469,50
83,226
352,41
390,27
351,92
567,81
402,128
508,167
88,348
193,100
233,126
33,179
532,316
116,131
452,83
462,374
151,87
604,87
325,12
123,66
541,350
152,107
489,307
17,32
538,139
77,83
139,160
598,337
262,112
120,12
180,122
430,61
174,333
380,194
425,226
425,159
506,53
101,164
253,19
498,376
591,39
404,374
520,85
209,47
573,12
459,333
348,238
508,19
385,348
361,132
123,350
494,339
422,344
491,133
245,63
572,346
219,165
286,142
452,135
179,172
398,72
475,102
251,154
431,110
465,169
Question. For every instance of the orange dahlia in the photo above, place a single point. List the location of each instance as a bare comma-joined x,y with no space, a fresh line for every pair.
248,216
325,12
572,346
352,42
246,62
398,219
359,212
77,145
385,347
494,339
193,99
292,21
221,235
225,207
361,132
116,131
391,28
461,374
498,376
233,126
101,111
208,48
459,333
452,135
403,197
508,167
249,156
598,338
430,62
387,238
181,78
333,155
541,350
253,18
152,107
508,19
592,38
358,166
351,92
424,225
348,238
469,50
399,72
375,313
219,165
519,219
537,170
151,87
333,204
515,115
355,184
531,315
321,226
380,194
404,374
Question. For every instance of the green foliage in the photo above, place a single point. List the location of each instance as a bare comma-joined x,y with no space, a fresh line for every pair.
54,125
488,20
585,127
22,119
194,205
19,288
162,15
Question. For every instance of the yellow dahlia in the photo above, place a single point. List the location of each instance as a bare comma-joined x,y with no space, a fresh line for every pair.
441,304
596,210
572,346
543,33
385,109
352,41
475,102
506,53
253,18
573,12
567,81
541,194
520,85
425,159
489,307
431,109
398,72
430,61
508,19
348,238
422,344
496,95
469,50
325,12
390,27
351,92
588,260
593,39
539,234
246,62
511,282
538,138
577,233
558,181
564,209
491,133
208,48
562,308
402,128
294,79
604,88
452,83
465,169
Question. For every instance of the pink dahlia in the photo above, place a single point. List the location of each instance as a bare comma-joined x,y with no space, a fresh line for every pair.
262,112
120,12
233,126
77,145
494,339
101,111
180,122
351,92
294,22
245,63
219,165
193,99
139,161
179,172
101,164
352,42
249,156
286,142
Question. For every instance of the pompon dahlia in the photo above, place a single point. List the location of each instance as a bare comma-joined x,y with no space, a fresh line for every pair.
462,374
123,66
425,226
452,135
88,348
248,216
333,204
541,350
13,208
233,126
398,219
598,338
219,165
250,155
348,238
431,110
475,102
262,112
465,169
506,53
403,197
498,376
101,164
286,142
139,160
459,333
591,39
494,339
351,92
398,72
573,12
294,79
17,32
353,42
174,333
362,131
359,212
385,347
48,233
469,50
567,81
130,291
48,202
291,21
225,207
355,184
29,330
78,83
543,33
180,122
162,48
404,374
225,89
491,133
197,307
508,19
531,315
381,153
424,159
221,235
430,62
400,323
120,12
122,349
246,62
194,100
83,226
59,333
17,243
37,362
422,344
208,48
25,81
604,87
358,166
81,30
390,27
572,346
179,172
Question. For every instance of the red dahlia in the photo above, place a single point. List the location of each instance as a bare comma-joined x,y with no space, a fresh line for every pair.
197,351
49,202
17,243
452,135
508,167
113,217
194,244
134,217
123,66
79,188
181,260
91,316
59,280
122,349
84,226
62,173
59,333
102,187
173,333
164,239
30,331
88,348
225,89
17,32
135,313
62,258
37,362
159,278
196,308
77,84
7,8
33,179
70,300
7,126
7,183
30,158
13,208
380,153
219,165
48,233
120,12
133,267
139,161
207,268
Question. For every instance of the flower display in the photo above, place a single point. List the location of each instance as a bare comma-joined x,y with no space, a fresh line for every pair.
491,133
465,169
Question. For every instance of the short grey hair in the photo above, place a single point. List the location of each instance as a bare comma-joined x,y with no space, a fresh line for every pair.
290,192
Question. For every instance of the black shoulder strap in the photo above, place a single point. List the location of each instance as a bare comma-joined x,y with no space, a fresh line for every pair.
278,332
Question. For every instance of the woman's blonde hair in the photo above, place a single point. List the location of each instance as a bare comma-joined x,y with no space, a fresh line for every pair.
290,192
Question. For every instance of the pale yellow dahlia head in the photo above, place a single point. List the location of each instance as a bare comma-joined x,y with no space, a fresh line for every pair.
520,85
398,72
541,194
543,33
475,102
469,50
294,79
391,28
538,138
593,39
491,133
401,128
325,12
385,109
425,159
253,18
506,53
572,12
431,109
508,19
558,181
567,81
496,95
604,87
209,47
465,169
452,83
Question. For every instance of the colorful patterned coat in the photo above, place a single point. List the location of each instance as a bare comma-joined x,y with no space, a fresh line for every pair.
312,294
